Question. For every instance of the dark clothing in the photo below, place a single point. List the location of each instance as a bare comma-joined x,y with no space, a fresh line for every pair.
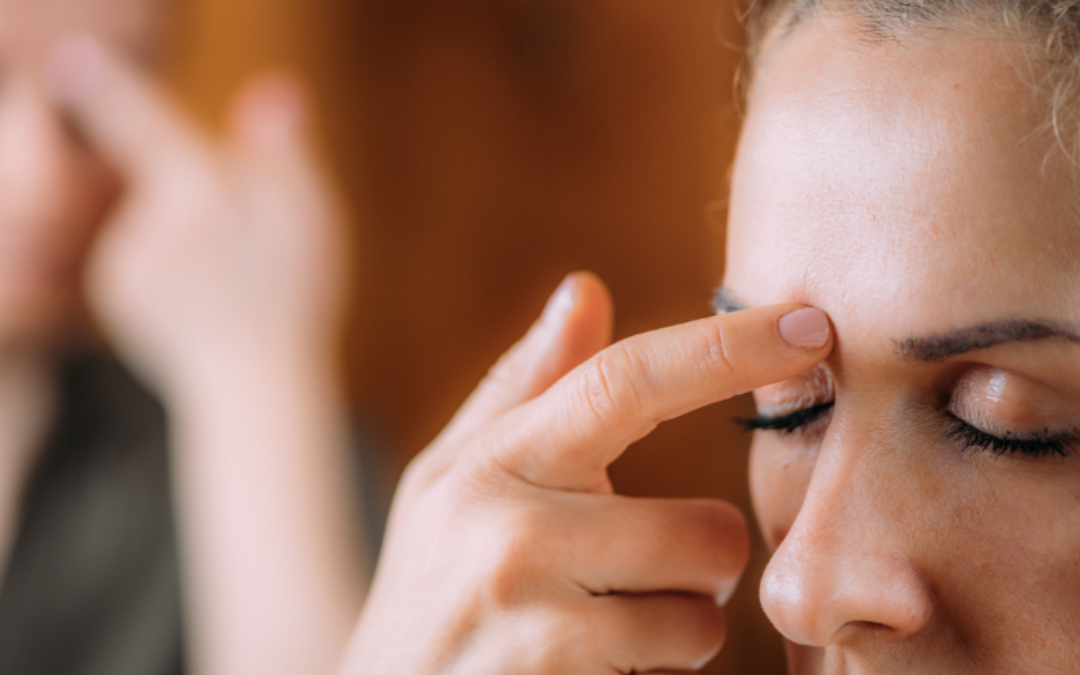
93,586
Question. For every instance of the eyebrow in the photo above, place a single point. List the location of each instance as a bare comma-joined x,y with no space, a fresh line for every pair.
938,348
944,346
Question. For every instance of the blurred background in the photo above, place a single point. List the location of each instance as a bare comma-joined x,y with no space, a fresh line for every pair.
487,148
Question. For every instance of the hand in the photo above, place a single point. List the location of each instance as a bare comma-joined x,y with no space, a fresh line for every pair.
218,249
508,552
219,276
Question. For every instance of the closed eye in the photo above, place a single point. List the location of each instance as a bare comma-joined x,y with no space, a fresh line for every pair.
1042,444
787,424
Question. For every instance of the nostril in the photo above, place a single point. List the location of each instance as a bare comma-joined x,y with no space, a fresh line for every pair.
865,629
820,595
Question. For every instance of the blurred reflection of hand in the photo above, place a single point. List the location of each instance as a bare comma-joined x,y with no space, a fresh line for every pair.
219,276
507,550
220,253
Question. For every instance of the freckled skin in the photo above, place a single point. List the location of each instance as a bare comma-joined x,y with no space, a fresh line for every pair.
904,187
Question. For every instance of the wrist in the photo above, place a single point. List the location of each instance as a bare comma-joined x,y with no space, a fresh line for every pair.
260,376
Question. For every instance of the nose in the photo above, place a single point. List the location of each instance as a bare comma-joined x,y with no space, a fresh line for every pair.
35,151
842,570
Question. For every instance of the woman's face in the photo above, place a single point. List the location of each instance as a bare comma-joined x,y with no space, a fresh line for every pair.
925,509
53,190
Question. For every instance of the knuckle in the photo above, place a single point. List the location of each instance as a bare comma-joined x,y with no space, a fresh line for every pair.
609,388
462,485
512,557
510,362
502,378
483,469
570,635
419,473
715,363
470,460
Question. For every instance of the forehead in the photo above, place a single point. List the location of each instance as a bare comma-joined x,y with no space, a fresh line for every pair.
29,27
902,182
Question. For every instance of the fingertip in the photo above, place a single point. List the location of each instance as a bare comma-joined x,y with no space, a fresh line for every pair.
73,68
561,302
593,287
579,314
808,329
594,313
270,108
575,324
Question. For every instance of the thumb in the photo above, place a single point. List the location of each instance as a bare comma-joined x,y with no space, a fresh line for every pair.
269,125
575,325
269,114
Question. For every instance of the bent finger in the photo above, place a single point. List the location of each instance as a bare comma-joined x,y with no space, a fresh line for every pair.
270,109
632,545
567,437
663,632
270,137
281,183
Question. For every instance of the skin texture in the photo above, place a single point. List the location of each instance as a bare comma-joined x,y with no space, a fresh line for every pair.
215,268
507,550
903,187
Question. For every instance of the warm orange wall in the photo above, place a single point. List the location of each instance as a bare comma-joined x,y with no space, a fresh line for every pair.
491,146
217,43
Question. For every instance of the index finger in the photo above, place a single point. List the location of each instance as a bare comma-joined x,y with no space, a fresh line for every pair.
123,113
567,437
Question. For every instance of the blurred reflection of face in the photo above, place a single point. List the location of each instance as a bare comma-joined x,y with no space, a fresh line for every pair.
53,191
925,509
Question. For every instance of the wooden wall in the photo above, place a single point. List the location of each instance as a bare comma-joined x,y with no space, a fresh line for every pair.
488,148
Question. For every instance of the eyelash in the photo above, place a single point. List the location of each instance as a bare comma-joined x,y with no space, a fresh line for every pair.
1044,444
1038,446
786,424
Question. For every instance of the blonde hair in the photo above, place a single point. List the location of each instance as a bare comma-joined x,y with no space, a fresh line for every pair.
1050,27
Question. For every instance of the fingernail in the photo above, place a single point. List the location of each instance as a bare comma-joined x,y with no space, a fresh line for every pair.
726,591
73,68
561,302
805,328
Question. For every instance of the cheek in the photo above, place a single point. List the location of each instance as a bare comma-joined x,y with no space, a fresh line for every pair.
995,539
94,184
101,193
780,473
92,190
1012,557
